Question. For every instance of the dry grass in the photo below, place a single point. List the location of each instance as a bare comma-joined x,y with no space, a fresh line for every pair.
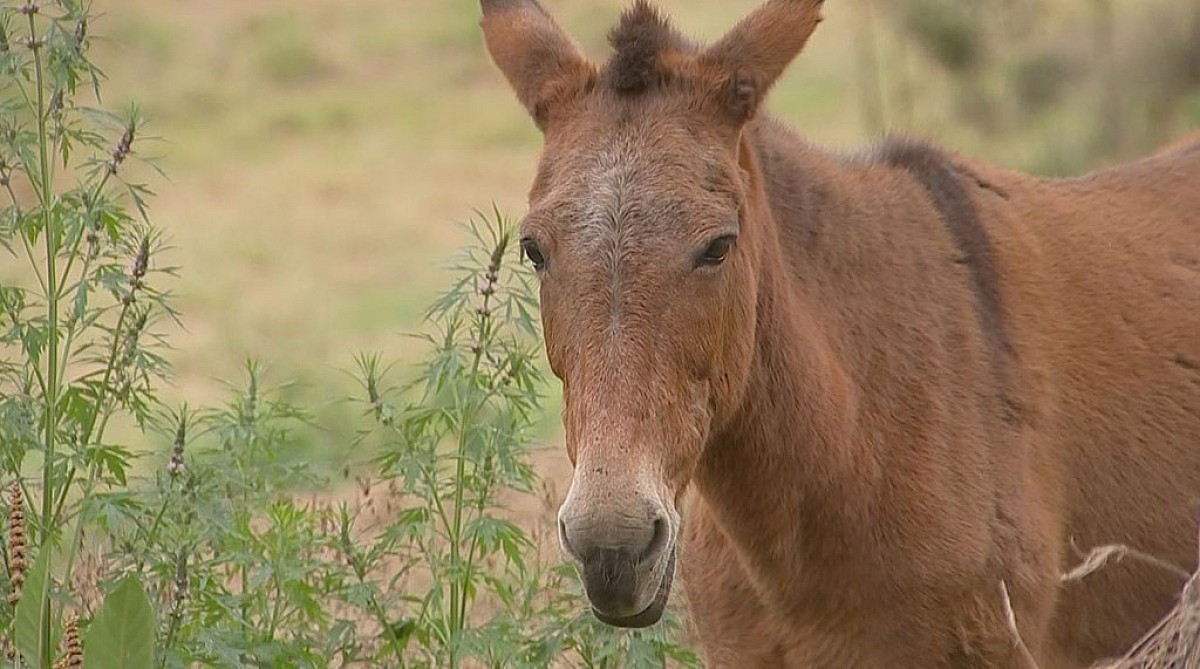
1173,643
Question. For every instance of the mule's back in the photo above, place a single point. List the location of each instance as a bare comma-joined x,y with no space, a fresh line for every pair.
1106,275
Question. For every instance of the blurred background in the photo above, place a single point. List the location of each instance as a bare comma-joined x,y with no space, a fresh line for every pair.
319,153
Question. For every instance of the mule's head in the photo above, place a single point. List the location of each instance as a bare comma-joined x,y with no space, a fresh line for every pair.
641,226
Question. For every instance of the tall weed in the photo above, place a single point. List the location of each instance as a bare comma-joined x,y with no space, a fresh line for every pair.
222,549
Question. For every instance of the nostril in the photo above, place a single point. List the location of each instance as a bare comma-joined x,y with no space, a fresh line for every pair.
658,542
562,539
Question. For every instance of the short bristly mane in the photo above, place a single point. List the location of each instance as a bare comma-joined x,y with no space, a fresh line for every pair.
640,41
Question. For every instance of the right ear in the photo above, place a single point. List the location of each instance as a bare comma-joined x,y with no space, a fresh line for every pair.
539,60
752,56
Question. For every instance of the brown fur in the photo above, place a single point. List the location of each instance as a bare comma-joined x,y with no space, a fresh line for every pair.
915,379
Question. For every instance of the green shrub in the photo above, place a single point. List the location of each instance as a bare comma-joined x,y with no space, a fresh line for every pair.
422,568
224,549
76,335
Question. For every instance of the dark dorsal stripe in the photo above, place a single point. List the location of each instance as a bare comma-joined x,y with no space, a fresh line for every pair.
947,184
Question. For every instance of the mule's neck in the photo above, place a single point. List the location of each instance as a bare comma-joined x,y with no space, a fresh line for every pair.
873,370
785,476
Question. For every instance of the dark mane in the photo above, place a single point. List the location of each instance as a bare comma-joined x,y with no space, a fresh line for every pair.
948,186
639,40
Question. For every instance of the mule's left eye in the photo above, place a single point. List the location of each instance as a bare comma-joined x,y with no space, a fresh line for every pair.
534,253
716,252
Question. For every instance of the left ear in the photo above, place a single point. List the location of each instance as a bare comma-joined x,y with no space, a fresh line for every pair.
541,63
750,58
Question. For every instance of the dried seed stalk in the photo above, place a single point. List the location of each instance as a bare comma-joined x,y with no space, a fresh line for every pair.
72,646
17,541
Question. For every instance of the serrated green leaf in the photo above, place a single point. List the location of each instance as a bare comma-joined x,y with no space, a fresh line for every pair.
31,609
122,634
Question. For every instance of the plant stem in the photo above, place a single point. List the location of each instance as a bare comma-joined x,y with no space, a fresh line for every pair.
150,534
480,506
89,212
483,336
87,219
458,584
100,404
37,270
51,235
276,609
380,614
77,535
94,469
250,416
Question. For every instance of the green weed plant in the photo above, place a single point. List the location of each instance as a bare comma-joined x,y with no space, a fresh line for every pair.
222,549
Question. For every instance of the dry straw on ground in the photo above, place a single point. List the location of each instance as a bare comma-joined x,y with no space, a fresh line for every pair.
1173,643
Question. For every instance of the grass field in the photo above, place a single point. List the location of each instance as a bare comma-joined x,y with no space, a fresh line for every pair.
320,153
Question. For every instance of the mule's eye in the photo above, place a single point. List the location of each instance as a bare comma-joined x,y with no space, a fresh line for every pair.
716,252
534,253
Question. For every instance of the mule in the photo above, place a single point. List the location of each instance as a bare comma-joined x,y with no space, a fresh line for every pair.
862,405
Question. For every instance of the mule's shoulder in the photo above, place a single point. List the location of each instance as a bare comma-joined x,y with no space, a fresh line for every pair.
953,186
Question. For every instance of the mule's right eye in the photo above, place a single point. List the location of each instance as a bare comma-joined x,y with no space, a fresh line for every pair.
716,252
532,251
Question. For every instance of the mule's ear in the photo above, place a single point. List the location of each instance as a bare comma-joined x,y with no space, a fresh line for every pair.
752,56
538,59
